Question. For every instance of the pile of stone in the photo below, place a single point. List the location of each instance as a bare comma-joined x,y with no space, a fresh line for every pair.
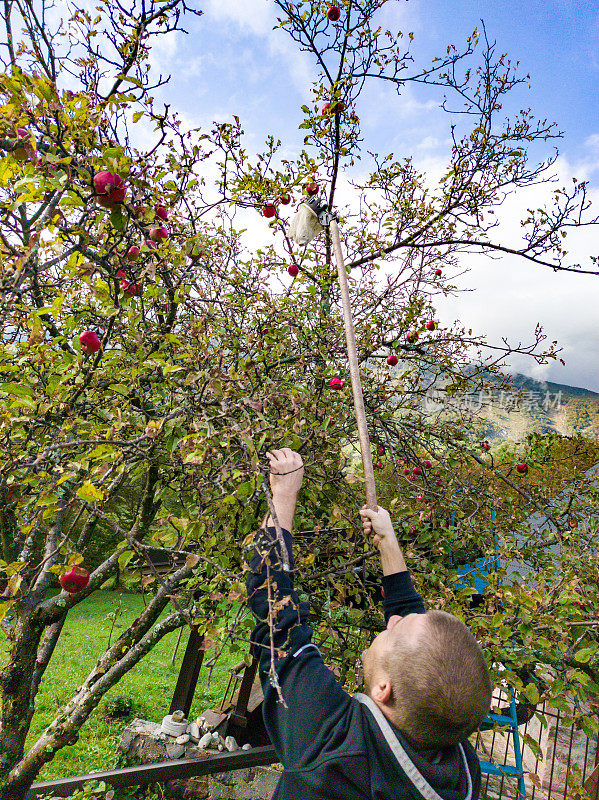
199,732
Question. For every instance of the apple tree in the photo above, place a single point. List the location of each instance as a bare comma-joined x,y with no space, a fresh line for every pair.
149,359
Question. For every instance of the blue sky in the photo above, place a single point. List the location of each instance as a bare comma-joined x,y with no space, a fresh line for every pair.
234,63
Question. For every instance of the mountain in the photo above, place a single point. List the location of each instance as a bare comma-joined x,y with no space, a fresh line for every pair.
541,406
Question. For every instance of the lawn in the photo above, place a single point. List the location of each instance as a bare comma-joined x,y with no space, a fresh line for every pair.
150,684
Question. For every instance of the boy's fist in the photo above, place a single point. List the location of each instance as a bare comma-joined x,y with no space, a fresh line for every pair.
380,521
286,471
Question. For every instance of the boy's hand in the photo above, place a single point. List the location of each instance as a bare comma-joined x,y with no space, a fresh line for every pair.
380,521
286,472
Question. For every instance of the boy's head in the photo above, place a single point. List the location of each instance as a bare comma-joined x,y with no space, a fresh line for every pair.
427,674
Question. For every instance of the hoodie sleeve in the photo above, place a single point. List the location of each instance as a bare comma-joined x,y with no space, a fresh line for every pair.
315,700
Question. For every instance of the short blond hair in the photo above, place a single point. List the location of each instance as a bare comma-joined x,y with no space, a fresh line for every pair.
440,682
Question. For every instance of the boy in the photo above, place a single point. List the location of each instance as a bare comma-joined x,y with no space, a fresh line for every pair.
427,684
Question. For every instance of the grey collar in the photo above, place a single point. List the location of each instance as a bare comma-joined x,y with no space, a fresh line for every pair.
406,763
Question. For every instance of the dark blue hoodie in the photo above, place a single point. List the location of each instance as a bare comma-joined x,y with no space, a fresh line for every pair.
332,745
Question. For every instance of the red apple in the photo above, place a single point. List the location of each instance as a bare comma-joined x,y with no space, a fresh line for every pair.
129,288
522,468
162,212
152,245
428,464
75,580
392,360
120,273
383,593
438,272
381,450
157,234
412,337
293,269
285,199
485,445
336,383
333,13
417,471
23,133
269,210
105,182
133,253
430,325
89,342
378,464
326,108
312,188
406,472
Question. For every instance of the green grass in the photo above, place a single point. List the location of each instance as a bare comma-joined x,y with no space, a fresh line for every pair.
150,684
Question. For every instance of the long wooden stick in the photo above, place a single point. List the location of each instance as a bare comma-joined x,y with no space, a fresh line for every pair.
354,370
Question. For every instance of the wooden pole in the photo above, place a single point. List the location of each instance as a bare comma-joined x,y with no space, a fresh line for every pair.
354,370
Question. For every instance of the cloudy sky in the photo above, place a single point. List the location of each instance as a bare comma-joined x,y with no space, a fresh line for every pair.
233,62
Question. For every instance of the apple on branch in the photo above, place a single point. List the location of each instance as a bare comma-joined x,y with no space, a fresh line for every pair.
133,252
158,234
162,212
285,199
522,467
89,342
392,360
333,13
336,383
269,210
312,188
75,580
430,325
293,270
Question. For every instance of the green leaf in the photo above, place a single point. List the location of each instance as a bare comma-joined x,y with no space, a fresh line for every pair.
117,218
89,493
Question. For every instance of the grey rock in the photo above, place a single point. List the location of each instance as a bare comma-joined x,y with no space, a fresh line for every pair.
220,747
246,746
205,741
231,744
174,750
183,739
194,731
178,716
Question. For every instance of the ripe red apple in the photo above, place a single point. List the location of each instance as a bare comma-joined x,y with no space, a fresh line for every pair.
326,108
152,245
438,272
381,450
412,336
383,593
430,325
105,182
162,212
312,188
428,464
133,252
333,13
89,342
293,269
406,472
485,445
157,234
522,467
75,580
120,273
417,471
132,289
392,360
336,383
285,199
269,210
378,464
